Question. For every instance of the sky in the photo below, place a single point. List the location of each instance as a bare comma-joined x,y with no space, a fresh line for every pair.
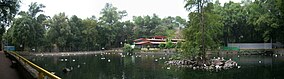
88,8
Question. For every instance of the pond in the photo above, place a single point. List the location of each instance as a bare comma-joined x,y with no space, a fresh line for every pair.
151,66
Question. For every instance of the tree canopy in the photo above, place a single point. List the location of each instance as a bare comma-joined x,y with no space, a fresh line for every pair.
209,27
247,22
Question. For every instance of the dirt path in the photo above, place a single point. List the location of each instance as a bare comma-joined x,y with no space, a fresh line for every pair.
6,72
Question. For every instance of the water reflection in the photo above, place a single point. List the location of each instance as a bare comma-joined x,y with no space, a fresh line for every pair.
118,66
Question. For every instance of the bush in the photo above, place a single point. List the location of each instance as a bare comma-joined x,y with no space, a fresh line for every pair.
127,48
169,44
162,46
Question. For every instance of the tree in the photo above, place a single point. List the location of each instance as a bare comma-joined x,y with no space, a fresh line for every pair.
266,18
59,31
75,39
90,35
8,10
110,26
146,25
169,25
28,30
203,30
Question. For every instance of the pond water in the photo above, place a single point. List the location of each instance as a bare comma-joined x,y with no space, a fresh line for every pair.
113,66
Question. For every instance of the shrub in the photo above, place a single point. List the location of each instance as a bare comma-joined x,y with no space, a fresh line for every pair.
127,48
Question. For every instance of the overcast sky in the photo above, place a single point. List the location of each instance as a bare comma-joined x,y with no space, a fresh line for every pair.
87,8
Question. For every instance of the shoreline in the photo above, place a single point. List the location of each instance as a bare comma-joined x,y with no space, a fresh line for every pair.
119,51
77,53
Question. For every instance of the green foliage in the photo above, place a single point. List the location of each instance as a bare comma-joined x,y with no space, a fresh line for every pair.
8,10
28,29
127,48
162,46
59,31
178,45
169,44
110,27
194,33
89,38
249,21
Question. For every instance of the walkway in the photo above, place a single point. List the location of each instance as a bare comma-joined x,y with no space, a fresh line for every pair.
6,72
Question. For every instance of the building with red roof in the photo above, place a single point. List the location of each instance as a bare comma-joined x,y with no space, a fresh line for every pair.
153,42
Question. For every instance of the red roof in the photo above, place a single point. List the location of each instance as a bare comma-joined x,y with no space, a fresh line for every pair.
143,39
143,42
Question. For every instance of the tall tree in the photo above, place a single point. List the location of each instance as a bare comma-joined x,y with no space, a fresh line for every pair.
58,32
76,26
110,25
204,28
146,25
28,29
8,10
90,35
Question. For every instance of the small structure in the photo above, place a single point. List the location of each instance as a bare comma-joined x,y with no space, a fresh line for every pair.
153,42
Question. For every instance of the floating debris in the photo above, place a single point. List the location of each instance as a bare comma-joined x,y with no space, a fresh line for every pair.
156,60
108,60
123,56
66,59
168,68
259,61
66,70
103,58
73,60
239,67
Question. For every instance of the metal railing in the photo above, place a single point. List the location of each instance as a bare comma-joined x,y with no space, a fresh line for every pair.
42,73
